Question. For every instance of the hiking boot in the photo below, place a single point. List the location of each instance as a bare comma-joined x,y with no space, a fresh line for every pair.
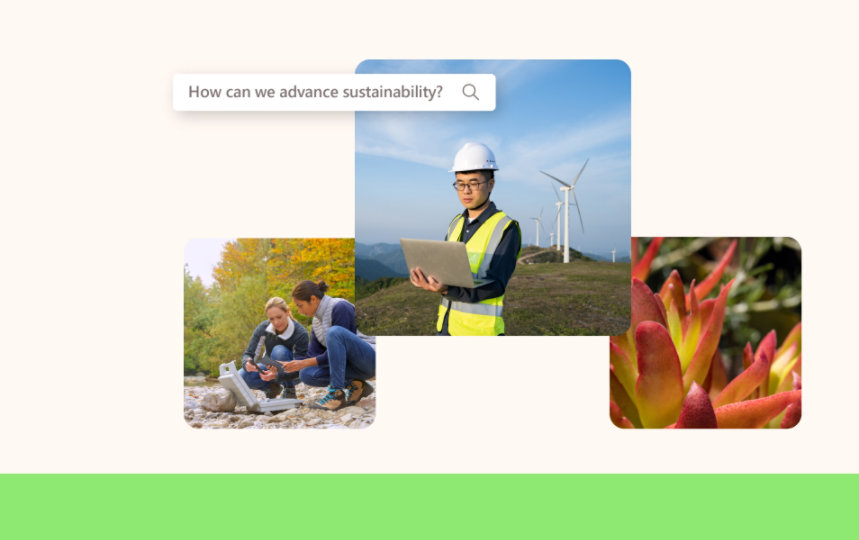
333,400
289,393
272,390
358,390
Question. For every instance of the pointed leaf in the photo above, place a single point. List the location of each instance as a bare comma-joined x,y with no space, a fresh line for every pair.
794,336
625,342
746,382
645,305
748,360
623,400
672,289
718,375
697,411
705,310
748,356
642,268
767,345
675,328
618,418
712,280
710,334
782,380
659,388
792,415
781,367
624,369
755,413
797,368
691,332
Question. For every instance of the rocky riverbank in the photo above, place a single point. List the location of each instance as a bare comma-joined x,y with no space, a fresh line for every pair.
199,398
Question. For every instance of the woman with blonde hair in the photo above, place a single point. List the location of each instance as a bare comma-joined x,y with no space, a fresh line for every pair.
339,356
280,338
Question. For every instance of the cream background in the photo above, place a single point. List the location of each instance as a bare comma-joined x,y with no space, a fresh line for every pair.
744,123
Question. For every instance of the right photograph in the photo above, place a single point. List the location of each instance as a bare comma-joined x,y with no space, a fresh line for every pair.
716,335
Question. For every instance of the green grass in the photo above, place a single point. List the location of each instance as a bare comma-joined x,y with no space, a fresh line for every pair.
583,298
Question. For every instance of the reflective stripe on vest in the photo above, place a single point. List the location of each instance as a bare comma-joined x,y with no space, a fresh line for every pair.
482,318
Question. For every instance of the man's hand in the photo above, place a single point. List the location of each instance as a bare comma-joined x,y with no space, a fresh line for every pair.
298,365
294,365
250,367
268,374
418,279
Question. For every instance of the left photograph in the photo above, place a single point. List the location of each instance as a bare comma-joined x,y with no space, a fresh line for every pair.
270,339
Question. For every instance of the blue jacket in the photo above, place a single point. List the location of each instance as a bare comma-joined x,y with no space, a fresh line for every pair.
342,314
265,338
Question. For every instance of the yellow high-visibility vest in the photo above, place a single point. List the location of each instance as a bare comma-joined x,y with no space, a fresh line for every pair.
482,318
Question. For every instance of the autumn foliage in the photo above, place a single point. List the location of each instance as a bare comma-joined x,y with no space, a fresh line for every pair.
219,319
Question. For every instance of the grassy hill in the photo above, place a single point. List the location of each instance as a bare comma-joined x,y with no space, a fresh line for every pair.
534,254
580,298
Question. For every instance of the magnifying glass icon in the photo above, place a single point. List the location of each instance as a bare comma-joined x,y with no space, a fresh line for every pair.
468,90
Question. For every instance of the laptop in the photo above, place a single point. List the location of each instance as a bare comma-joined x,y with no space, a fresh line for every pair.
447,262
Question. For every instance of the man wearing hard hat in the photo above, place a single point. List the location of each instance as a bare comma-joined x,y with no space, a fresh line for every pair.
493,242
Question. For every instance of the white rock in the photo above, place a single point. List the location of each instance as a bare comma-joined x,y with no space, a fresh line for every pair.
351,411
219,400
191,403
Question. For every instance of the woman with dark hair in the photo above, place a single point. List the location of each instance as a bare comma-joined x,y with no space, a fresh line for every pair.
339,356
281,339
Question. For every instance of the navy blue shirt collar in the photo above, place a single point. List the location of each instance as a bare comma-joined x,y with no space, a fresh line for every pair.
486,214
468,229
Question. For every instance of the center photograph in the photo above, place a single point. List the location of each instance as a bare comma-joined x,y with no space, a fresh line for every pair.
507,222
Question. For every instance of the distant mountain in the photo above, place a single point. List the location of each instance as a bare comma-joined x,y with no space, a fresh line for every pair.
607,258
372,270
374,250
373,261
596,257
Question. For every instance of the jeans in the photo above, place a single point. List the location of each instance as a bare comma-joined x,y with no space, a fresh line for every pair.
253,379
349,358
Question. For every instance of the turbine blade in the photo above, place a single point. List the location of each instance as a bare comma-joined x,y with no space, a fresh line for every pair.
556,179
557,193
580,172
578,209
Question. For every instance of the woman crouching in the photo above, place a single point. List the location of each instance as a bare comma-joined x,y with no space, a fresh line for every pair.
281,339
339,356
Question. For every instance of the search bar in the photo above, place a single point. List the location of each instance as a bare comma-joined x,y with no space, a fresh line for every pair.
334,92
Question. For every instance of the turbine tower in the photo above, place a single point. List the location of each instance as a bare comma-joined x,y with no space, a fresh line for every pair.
567,189
558,214
612,254
538,223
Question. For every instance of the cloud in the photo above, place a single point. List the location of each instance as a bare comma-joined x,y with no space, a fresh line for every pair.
428,140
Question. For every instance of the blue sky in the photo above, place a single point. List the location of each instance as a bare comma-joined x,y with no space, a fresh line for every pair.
550,115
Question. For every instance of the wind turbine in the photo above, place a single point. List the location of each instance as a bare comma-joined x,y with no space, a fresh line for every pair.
538,223
567,189
558,214
612,254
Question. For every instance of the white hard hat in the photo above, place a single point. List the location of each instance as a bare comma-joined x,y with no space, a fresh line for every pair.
474,156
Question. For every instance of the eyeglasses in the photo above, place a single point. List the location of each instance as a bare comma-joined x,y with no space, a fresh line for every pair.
472,186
